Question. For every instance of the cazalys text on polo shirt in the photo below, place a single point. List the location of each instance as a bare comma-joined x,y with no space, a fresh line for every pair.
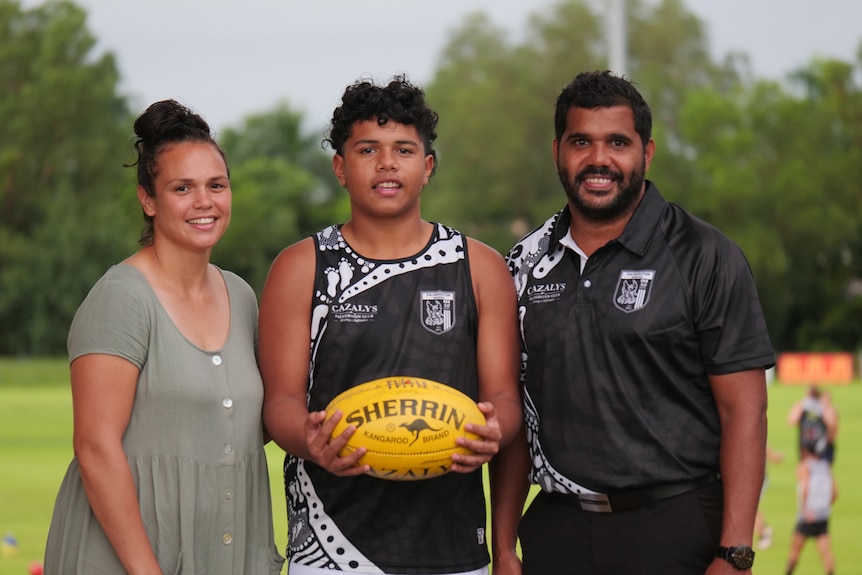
545,293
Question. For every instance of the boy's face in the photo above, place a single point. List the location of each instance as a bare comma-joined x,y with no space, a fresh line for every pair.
384,168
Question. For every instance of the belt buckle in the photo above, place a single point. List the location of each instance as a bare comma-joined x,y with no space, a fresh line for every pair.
595,502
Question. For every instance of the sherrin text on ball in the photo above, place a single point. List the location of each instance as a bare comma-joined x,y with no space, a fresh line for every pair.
408,425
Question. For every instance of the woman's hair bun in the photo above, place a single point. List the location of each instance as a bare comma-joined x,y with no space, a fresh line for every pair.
169,121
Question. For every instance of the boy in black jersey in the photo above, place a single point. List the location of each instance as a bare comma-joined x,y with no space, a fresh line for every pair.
354,303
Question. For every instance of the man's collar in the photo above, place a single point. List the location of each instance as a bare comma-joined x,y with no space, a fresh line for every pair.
561,226
639,230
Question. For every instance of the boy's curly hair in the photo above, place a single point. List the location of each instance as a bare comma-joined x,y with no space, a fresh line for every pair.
399,101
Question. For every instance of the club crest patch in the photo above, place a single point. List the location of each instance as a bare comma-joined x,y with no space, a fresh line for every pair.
438,310
633,289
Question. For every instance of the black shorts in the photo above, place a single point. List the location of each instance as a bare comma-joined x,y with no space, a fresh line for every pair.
675,535
813,528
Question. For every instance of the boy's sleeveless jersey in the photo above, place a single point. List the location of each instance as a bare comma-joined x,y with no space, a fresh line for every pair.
372,319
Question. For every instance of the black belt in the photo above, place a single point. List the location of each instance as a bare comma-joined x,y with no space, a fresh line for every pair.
635,498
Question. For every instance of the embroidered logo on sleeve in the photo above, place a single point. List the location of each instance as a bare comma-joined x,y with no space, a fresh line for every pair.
438,310
633,289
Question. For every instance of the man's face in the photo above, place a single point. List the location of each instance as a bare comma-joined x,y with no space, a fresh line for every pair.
602,162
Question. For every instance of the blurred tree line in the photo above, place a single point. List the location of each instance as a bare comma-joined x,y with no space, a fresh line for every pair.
776,165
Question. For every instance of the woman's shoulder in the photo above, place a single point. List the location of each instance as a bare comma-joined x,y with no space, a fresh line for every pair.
120,281
115,317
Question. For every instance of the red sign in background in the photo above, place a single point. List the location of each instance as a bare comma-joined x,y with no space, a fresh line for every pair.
808,368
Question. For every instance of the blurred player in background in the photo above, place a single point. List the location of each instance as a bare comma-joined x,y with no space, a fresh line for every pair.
816,491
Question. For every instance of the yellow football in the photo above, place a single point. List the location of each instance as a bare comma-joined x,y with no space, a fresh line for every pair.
407,424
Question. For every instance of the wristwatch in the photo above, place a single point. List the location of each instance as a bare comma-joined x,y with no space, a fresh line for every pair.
741,556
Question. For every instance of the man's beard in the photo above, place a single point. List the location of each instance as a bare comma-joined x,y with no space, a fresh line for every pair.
624,201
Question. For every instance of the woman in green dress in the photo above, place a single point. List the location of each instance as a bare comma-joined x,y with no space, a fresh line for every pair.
169,473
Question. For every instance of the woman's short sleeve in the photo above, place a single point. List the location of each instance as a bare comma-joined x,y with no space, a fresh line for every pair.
114,318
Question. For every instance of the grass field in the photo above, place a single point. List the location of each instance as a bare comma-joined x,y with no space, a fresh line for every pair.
35,448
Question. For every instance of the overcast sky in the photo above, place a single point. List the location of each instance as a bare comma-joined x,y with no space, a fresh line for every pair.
228,58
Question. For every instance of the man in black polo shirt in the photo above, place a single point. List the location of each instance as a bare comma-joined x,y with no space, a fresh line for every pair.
645,351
